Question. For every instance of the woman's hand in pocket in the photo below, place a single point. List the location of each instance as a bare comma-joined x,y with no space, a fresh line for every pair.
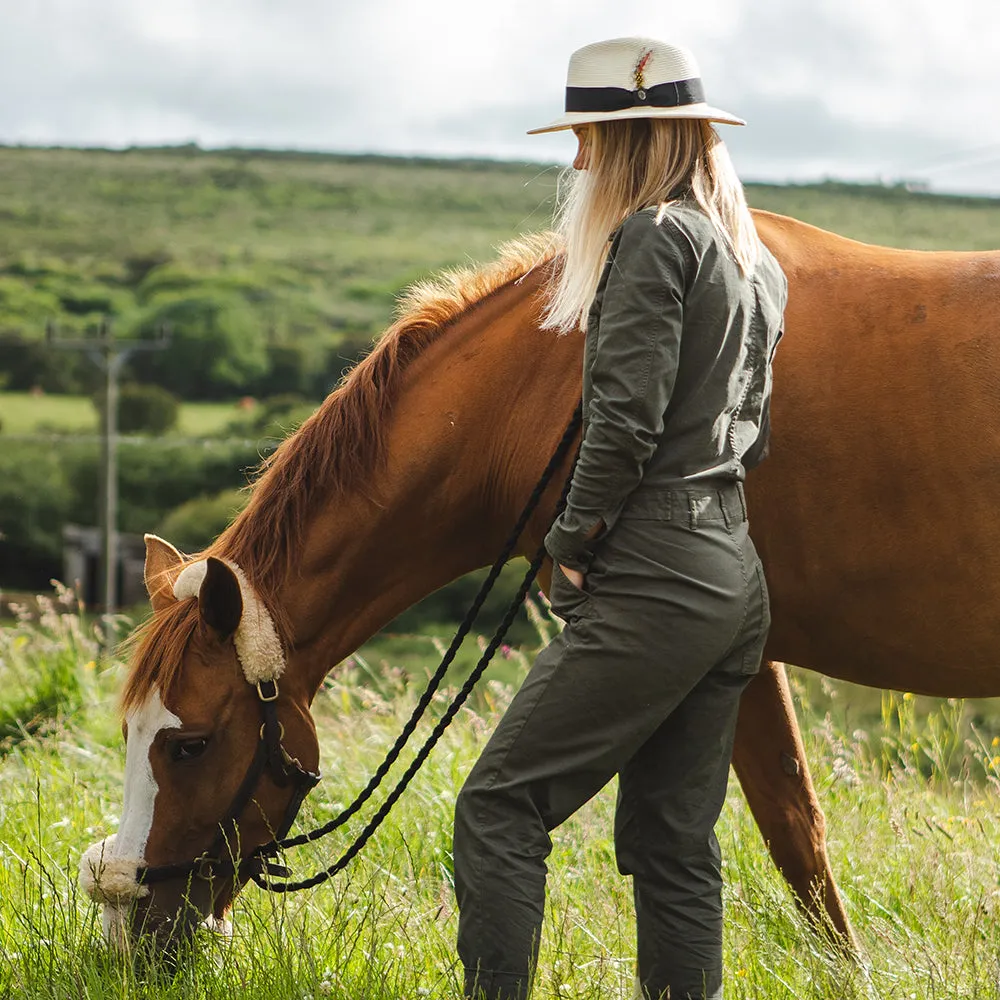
574,576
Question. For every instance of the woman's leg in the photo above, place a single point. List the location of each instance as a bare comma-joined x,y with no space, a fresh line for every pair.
670,795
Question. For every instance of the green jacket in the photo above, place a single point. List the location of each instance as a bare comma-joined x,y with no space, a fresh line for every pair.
676,372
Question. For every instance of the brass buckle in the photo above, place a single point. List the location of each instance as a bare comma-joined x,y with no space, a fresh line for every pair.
281,731
260,694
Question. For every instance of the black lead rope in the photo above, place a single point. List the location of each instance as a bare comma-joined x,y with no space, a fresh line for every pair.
258,872
271,756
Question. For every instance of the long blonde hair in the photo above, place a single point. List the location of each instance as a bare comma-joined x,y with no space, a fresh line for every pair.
636,163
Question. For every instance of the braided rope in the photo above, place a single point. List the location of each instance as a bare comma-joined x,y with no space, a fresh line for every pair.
433,684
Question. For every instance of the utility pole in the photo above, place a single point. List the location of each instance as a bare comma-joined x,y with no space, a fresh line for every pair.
110,356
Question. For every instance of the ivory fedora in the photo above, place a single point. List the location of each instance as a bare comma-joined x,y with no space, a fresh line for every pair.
634,78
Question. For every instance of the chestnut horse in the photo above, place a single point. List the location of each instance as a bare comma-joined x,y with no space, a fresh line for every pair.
873,516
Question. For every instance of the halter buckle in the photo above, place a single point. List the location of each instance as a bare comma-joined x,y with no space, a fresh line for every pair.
273,696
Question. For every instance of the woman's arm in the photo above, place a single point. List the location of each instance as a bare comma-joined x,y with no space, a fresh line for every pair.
633,373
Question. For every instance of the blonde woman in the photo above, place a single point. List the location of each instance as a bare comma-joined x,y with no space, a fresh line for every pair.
655,575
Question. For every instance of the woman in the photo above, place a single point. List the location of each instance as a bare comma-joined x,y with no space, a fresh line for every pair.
655,575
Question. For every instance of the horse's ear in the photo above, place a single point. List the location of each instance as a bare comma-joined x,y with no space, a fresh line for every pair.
219,599
162,561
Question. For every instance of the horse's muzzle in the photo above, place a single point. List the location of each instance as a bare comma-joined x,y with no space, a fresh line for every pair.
130,911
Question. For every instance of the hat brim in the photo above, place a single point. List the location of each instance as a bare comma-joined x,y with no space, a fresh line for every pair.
705,111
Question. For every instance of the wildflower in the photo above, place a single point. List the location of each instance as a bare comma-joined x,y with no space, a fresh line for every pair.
995,742
908,696
915,747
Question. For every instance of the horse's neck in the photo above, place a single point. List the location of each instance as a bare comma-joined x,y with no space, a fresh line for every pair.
477,417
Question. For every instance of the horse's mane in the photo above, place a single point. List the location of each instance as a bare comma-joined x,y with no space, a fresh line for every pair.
338,446
344,440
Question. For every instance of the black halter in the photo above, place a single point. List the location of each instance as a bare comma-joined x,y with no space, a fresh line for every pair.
270,757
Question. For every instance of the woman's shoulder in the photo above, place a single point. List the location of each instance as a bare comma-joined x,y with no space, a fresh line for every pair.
681,223
658,231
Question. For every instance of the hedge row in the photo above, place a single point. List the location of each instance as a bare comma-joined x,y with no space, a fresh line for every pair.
215,364
46,484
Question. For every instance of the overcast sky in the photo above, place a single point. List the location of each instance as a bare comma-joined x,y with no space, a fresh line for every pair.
856,89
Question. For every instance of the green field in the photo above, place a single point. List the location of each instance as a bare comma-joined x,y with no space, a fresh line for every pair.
22,413
316,246
913,830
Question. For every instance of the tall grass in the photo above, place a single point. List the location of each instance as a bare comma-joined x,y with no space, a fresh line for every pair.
911,804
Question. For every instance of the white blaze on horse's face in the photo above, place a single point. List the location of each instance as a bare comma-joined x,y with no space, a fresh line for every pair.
127,850
144,723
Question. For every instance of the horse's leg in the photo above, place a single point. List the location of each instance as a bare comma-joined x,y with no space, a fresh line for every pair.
770,762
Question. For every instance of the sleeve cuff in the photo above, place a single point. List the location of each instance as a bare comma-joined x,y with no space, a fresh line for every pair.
567,542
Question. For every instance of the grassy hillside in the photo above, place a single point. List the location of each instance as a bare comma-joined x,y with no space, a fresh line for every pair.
318,245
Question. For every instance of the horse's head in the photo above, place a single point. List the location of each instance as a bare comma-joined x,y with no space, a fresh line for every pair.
220,750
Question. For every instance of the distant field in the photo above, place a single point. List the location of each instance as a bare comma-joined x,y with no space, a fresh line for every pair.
22,413
890,216
318,245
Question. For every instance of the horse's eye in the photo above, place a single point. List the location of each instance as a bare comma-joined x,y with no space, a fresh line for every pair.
183,750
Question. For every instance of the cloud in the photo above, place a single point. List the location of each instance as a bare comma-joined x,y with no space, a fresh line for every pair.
831,87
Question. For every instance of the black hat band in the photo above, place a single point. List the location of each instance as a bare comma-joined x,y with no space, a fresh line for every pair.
662,95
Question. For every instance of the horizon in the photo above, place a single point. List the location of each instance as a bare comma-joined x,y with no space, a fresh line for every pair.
911,186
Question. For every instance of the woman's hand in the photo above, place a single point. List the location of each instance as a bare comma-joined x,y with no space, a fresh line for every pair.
574,576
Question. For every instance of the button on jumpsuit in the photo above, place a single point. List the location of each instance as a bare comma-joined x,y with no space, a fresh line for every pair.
645,679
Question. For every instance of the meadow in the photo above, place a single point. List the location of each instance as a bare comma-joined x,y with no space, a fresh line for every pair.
23,413
911,803
316,246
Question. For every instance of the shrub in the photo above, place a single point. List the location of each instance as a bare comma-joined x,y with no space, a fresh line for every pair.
26,364
36,499
217,344
289,371
149,409
139,265
44,487
155,477
275,417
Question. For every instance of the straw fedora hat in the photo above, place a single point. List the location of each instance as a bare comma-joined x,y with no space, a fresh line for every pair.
633,78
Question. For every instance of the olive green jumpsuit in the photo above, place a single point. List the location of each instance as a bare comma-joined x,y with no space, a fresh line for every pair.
645,679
